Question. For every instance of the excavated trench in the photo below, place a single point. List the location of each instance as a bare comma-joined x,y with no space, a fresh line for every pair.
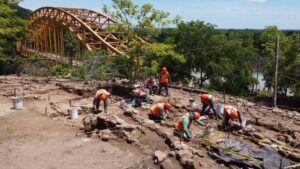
131,127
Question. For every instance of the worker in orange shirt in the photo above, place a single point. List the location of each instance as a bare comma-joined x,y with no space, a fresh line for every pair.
101,95
208,103
138,96
183,125
230,114
164,80
159,111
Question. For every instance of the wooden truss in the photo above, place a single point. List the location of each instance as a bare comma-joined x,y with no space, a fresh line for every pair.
47,25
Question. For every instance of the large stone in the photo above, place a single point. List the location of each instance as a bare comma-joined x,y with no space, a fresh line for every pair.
187,163
258,135
131,111
160,156
167,164
89,123
184,154
180,145
105,137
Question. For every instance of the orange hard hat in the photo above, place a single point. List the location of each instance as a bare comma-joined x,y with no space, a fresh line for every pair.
234,115
164,69
167,106
202,96
102,97
196,115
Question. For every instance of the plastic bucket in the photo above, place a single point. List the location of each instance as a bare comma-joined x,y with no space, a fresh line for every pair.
17,103
220,108
192,102
208,130
74,112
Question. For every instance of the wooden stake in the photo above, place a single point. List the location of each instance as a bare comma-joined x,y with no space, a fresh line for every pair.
276,73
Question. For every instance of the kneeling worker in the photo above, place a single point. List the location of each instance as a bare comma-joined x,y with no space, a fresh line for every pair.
183,125
208,102
159,111
230,114
138,96
101,95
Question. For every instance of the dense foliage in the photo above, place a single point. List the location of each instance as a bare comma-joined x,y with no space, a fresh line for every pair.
11,29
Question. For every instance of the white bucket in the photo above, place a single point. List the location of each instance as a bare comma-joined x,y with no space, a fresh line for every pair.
192,102
208,130
17,103
220,108
244,121
74,112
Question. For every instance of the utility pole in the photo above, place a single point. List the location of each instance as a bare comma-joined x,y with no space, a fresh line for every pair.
276,72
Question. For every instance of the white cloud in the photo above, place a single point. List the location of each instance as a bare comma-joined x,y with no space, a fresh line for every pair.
261,1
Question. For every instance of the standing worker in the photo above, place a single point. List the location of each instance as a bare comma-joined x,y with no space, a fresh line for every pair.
183,125
164,80
101,95
230,114
159,111
208,103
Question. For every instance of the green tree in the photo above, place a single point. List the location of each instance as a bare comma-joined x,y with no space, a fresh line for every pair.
197,41
159,55
268,43
11,30
292,65
138,24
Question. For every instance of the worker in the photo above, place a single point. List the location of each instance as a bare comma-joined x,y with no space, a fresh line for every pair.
230,114
101,95
159,111
183,125
164,80
138,96
207,104
152,86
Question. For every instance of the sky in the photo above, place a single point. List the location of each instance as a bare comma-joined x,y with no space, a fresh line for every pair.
225,14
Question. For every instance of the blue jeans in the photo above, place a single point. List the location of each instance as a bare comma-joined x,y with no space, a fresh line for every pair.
97,103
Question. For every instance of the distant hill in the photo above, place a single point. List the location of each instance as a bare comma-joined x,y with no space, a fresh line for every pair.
22,12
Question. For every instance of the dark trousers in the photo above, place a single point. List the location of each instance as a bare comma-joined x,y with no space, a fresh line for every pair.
97,103
163,85
225,123
210,105
152,89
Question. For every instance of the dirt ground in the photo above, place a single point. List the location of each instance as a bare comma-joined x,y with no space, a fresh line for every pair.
43,136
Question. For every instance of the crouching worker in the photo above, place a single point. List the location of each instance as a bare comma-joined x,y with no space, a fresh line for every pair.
138,96
152,86
101,95
208,103
183,125
230,114
159,111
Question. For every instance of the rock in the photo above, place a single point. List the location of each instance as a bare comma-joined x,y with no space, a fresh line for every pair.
187,163
160,156
258,136
105,137
128,127
184,154
172,154
199,153
180,145
277,110
167,164
131,111
148,122
120,121
250,104
89,123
